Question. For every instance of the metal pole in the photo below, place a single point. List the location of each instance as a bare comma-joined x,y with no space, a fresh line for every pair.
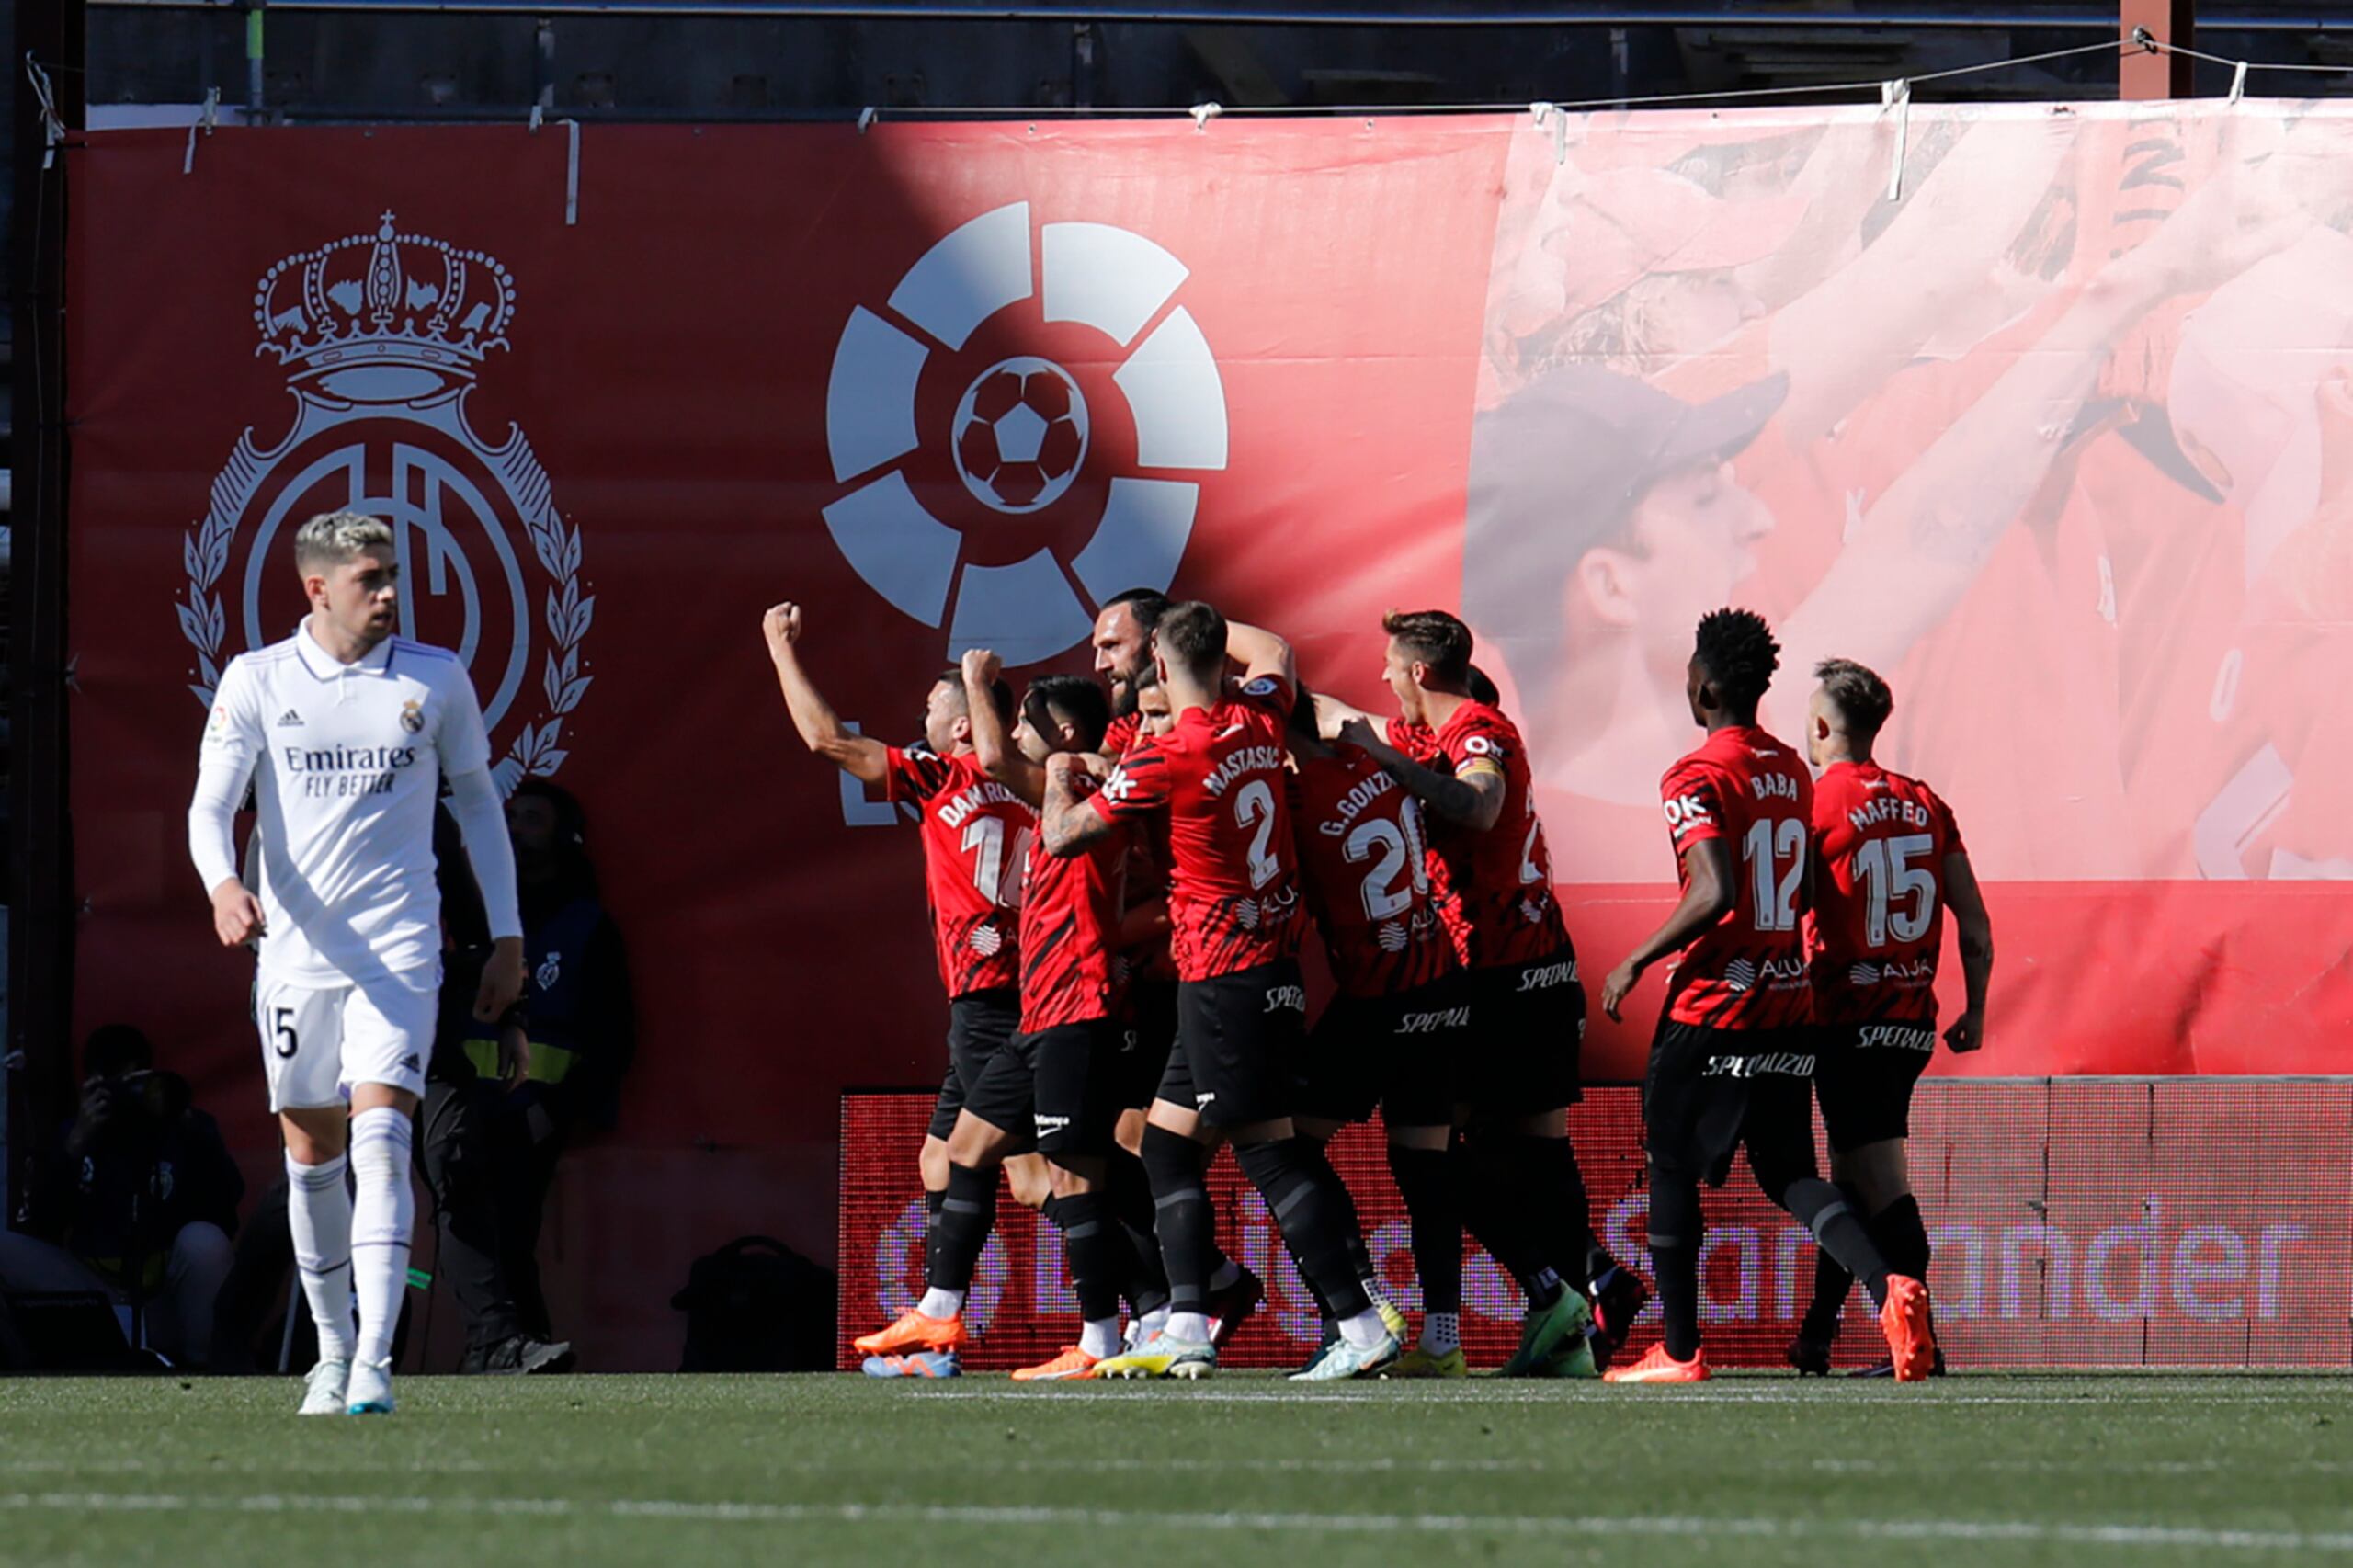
2142,74
254,113
40,889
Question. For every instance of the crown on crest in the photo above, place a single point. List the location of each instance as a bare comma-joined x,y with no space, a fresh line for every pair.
367,314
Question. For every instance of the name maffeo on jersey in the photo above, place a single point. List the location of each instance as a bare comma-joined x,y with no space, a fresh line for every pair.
331,773
1887,809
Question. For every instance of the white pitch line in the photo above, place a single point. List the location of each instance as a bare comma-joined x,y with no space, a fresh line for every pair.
1571,1526
1484,1394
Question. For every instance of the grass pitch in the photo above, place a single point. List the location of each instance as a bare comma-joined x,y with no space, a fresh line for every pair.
1753,1470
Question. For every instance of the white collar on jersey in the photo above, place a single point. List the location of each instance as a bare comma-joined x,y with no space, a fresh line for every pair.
326,666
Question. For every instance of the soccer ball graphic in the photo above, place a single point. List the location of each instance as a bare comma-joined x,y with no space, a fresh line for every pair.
1020,434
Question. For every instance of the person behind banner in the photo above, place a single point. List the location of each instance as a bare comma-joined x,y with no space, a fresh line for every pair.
973,832
1887,862
1732,1063
139,1202
346,734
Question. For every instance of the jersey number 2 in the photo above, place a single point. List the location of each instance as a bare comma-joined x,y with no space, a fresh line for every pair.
1253,807
1769,844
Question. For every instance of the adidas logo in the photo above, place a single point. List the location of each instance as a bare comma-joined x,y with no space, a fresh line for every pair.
291,720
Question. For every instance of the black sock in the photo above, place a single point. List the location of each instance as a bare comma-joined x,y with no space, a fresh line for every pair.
1831,1285
1095,1248
1181,1216
967,1214
1427,1184
1838,1230
1128,1195
931,1203
1498,1215
1902,1237
1544,1173
1674,1259
1314,1213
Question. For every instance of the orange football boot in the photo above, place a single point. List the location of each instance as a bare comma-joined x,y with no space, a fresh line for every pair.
1911,1337
915,1332
1073,1365
1657,1366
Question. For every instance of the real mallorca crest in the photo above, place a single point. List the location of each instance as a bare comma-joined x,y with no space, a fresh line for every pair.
381,336
1020,430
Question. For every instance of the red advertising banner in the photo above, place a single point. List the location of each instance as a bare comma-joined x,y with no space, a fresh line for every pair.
2076,1224
2044,411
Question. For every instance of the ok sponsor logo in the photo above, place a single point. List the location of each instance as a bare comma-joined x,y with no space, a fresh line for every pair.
1687,811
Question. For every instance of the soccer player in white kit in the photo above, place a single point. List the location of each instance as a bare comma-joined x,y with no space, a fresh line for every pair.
346,733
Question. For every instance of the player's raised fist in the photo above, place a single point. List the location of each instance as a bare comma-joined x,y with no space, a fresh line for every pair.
982,666
782,624
237,914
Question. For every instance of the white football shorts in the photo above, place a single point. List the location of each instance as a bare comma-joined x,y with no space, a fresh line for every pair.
316,1043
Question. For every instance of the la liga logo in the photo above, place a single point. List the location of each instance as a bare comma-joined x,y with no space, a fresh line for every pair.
1019,429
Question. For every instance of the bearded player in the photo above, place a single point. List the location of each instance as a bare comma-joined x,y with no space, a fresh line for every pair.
1520,1188
1888,862
972,827
1732,1063
346,733
1216,781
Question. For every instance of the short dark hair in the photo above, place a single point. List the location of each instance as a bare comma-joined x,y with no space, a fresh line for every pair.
1433,638
1147,605
1860,696
1001,691
1736,648
1482,687
1080,703
1192,635
115,1049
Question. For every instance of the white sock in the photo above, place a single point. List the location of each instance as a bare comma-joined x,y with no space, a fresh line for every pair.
318,1212
1228,1274
1152,1322
1364,1330
1100,1338
1441,1333
1187,1325
940,1303
383,1214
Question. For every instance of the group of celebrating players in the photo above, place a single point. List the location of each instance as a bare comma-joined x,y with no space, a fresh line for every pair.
1120,885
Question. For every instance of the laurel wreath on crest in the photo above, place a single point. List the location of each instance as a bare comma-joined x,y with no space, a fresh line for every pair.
537,750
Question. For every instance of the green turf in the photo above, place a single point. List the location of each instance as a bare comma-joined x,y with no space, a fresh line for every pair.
1750,1471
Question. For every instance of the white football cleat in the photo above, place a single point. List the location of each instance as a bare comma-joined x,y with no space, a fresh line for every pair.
370,1389
322,1389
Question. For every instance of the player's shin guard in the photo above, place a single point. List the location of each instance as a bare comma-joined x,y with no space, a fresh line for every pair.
1182,1217
383,1216
1315,1214
1837,1230
931,1203
967,1214
1902,1237
1425,1181
1127,1195
1675,1258
1096,1249
318,1213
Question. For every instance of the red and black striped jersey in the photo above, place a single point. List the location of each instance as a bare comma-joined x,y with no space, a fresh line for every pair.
1748,970
1364,862
1217,781
1070,970
1495,887
974,833
1877,924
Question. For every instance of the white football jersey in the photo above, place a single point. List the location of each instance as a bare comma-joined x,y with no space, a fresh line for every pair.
346,761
